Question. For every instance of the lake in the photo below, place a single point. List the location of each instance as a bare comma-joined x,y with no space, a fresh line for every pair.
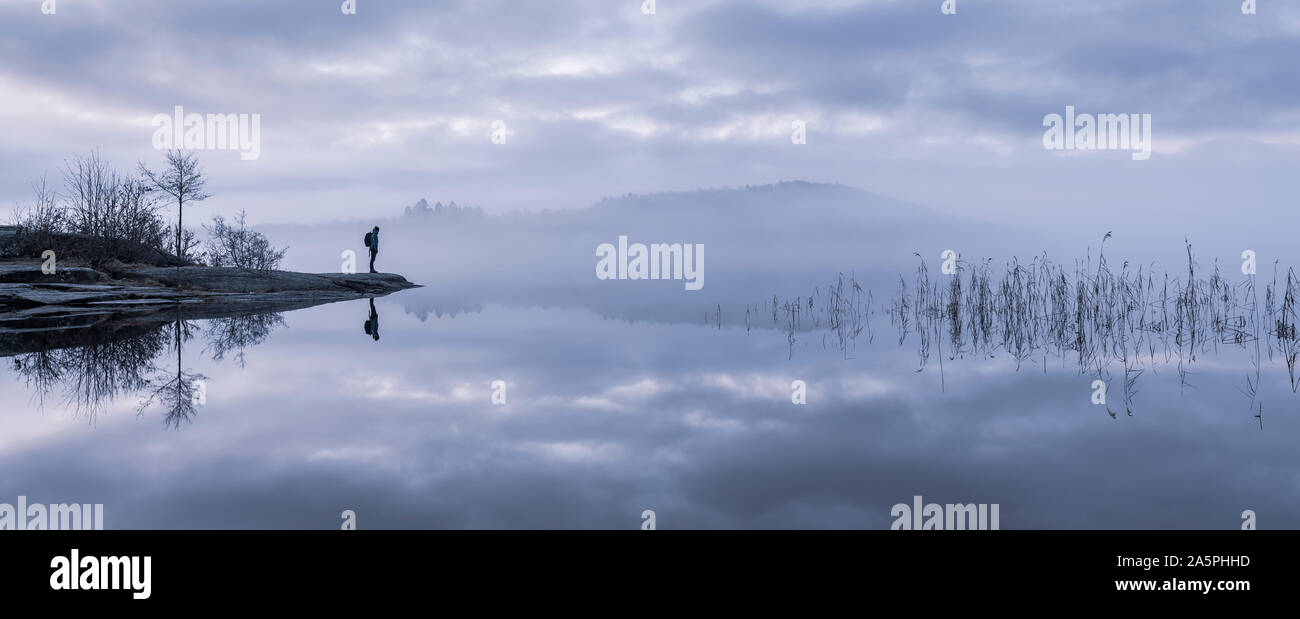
518,390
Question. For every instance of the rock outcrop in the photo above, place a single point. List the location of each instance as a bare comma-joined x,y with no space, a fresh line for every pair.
81,298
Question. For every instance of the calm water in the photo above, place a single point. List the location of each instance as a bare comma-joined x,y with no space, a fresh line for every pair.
627,396
605,417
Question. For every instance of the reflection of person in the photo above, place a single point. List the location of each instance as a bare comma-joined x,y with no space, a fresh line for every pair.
374,247
372,325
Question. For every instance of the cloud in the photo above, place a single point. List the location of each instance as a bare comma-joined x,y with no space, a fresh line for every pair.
362,113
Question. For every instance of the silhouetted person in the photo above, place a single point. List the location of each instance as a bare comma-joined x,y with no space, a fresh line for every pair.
372,325
373,243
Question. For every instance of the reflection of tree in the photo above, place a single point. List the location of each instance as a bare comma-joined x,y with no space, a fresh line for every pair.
178,394
94,374
239,332
175,393
114,361
41,370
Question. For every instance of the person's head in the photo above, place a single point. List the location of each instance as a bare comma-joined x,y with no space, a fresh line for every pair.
376,228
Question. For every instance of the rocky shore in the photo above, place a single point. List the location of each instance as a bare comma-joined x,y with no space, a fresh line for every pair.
78,298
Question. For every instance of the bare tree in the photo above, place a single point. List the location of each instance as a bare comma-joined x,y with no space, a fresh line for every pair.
100,215
44,218
182,179
91,190
238,246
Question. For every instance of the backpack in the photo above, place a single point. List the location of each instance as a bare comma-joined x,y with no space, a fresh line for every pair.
367,239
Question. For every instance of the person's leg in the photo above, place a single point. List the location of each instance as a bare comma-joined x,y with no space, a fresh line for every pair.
372,261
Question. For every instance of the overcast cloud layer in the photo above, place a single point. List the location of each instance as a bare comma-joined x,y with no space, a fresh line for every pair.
364,113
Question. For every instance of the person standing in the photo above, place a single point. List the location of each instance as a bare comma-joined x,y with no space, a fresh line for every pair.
372,241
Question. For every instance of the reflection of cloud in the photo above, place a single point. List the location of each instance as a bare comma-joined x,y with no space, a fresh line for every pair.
641,390
369,456
704,432
750,386
863,386
702,419
710,443
396,388
574,451
621,397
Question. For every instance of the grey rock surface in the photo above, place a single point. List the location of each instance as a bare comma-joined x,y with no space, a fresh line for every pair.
33,305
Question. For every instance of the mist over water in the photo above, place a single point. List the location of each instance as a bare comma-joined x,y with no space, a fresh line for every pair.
630,395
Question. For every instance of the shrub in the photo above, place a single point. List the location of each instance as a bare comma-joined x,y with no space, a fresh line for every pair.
100,216
103,204
39,223
237,246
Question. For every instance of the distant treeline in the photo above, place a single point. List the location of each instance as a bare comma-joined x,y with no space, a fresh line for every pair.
421,210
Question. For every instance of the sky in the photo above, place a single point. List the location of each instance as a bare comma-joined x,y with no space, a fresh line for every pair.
361,114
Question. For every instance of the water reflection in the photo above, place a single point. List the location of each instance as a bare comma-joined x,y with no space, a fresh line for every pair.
236,333
179,393
106,366
372,324
1113,324
95,367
